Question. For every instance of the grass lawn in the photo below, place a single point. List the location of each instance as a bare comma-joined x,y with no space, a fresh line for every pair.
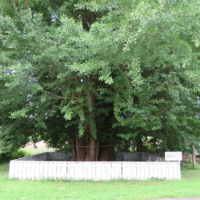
189,186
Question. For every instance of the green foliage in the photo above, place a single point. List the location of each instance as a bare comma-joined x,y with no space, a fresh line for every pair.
138,59
19,154
5,157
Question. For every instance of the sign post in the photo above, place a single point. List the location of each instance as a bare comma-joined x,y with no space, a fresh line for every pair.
194,153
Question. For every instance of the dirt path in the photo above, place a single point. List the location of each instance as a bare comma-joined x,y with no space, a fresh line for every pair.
40,146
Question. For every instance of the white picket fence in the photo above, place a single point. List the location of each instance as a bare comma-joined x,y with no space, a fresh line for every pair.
93,170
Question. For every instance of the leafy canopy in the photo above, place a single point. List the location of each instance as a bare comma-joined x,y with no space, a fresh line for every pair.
140,59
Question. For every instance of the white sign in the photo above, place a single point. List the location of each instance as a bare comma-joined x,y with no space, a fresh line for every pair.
173,155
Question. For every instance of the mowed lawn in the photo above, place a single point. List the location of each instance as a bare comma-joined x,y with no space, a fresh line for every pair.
189,186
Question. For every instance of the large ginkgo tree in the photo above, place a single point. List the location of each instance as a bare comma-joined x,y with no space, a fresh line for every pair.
92,74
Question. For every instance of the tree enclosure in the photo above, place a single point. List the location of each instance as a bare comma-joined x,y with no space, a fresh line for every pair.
99,75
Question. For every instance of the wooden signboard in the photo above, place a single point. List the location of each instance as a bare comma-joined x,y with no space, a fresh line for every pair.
195,152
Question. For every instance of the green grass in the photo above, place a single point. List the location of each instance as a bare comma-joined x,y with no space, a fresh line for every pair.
189,186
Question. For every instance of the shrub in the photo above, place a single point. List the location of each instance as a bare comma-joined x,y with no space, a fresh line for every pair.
5,157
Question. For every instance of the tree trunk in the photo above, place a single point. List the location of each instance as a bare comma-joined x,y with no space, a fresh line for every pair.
87,149
91,99
16,3
80,149
107,150
139,143
73,143
106,153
